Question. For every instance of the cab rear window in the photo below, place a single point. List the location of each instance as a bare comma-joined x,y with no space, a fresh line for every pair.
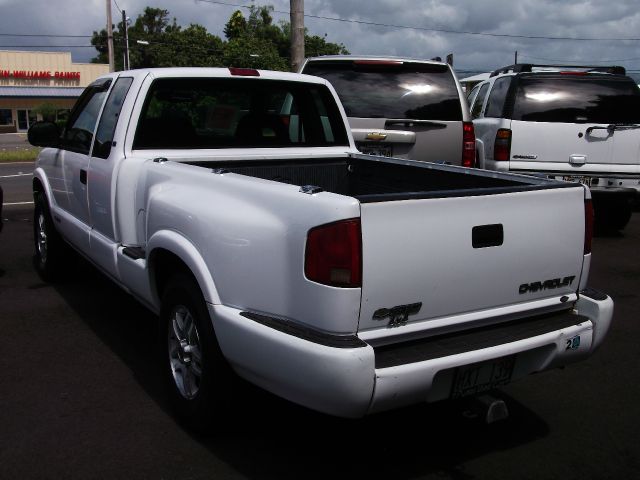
192,113
577,99
400,90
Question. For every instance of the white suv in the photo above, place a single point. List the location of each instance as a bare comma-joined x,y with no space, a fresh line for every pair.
571,123
401,107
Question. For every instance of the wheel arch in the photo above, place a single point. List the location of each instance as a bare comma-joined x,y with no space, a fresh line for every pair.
40,184
171,253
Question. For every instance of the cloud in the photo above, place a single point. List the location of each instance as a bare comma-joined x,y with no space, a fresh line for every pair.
550,18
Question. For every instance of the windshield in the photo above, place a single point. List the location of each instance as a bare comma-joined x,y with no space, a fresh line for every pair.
402,90
191,113
577,99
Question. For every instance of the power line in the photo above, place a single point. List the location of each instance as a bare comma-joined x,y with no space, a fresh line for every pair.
117,6
42,35
439,30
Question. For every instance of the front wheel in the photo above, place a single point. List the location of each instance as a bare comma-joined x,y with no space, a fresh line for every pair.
51,252
199,381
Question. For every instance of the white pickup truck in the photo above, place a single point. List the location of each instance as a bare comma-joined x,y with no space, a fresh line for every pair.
234,204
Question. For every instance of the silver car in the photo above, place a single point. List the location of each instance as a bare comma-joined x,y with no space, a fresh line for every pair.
401,107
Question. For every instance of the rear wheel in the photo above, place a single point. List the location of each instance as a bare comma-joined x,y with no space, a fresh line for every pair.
51,252
199,381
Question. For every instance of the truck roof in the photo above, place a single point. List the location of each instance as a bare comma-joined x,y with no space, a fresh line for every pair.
227,72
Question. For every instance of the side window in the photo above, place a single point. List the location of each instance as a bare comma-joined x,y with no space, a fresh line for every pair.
476,109
472,94
495,104
78,134
109,118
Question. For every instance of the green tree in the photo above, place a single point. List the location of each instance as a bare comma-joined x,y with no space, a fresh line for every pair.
166,43
259,26
47,110
253,42
251,52
236,26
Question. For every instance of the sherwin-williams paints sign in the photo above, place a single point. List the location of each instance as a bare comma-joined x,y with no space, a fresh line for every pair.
37,75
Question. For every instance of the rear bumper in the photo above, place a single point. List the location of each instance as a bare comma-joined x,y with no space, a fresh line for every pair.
342,378
609,184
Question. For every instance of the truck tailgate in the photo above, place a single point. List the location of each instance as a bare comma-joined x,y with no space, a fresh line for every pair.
441,257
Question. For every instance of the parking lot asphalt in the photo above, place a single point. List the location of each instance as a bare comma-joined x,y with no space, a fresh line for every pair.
13,141
15,180
80,397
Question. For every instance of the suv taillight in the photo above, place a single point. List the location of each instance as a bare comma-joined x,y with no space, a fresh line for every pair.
502,145
588,225
468,145
334,254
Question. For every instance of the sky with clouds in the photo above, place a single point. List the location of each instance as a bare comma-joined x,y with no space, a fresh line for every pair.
495,29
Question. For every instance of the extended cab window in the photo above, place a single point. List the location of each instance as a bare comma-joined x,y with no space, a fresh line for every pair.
190,113
78,133
392,90
577,99
109,118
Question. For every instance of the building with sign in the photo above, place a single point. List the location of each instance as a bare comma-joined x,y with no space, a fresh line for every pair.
38,85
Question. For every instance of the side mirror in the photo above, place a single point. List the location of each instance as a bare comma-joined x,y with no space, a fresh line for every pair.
44,134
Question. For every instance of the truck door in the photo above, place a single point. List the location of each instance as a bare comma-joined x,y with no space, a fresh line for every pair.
75,145
102,166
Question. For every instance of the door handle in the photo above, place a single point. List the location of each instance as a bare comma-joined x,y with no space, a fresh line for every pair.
577,159
83,176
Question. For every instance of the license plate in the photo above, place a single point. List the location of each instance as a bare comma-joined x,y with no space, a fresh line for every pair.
376,149
483,376
579,179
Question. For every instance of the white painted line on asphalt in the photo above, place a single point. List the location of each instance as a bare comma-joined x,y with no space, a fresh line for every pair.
17,175
17,203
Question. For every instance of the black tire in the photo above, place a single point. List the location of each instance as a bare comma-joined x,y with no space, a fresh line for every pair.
611,215
51,252
203,402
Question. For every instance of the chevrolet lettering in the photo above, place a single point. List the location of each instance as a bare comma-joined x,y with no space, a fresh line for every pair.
546,284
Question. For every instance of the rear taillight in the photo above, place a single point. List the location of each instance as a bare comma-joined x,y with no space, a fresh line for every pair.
502,145
468,145
588,225
334,254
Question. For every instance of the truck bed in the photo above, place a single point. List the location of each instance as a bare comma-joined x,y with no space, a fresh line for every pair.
378,179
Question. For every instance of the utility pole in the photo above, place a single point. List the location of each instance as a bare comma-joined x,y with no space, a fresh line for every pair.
516,62
297,34
125,42
110,36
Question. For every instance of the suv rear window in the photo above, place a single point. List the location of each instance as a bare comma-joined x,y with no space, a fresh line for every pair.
577,99
190,113
415,91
